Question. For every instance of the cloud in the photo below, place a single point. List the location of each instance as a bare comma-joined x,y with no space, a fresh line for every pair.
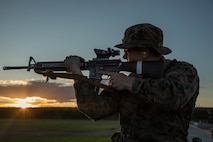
5,100
13,82
43,93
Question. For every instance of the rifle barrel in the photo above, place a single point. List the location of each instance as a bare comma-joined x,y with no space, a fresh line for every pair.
15,67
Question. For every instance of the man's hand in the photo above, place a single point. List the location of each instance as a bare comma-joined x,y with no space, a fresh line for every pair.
73,63
48,73
119,81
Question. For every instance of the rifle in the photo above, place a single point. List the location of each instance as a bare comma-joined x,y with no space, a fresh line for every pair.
101,62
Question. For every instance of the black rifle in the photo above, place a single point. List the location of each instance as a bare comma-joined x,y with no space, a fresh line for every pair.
101,62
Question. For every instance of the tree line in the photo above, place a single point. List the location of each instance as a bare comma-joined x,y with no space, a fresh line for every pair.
43,113
199,114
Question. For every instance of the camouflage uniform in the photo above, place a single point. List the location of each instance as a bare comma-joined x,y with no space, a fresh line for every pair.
155,110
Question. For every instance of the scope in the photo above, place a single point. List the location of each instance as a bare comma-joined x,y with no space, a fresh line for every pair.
105,54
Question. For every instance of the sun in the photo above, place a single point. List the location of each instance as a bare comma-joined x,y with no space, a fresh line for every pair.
23,103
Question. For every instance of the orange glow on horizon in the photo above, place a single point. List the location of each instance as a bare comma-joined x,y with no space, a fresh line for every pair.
36,102
24,103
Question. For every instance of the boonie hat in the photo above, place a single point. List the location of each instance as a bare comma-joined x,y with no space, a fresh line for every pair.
144,35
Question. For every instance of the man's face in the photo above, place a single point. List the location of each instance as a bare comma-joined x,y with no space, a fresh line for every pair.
136,54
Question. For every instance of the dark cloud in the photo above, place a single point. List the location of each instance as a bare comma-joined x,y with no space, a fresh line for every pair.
52,91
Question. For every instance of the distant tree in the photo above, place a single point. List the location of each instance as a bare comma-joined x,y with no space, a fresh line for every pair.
200,115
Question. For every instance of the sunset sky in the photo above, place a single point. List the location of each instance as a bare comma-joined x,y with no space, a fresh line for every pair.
50,30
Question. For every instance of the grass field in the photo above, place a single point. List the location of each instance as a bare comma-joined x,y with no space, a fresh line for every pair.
56,130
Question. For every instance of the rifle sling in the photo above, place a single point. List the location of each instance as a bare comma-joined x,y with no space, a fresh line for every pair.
84,78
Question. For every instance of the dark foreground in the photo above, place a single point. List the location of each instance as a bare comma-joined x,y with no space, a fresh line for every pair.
64,130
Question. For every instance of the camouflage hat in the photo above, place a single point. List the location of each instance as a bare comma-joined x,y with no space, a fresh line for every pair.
144,35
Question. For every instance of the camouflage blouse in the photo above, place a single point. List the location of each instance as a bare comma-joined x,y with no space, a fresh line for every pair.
156,110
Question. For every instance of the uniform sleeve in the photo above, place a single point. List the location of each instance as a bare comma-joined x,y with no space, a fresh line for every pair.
94,105
179,85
